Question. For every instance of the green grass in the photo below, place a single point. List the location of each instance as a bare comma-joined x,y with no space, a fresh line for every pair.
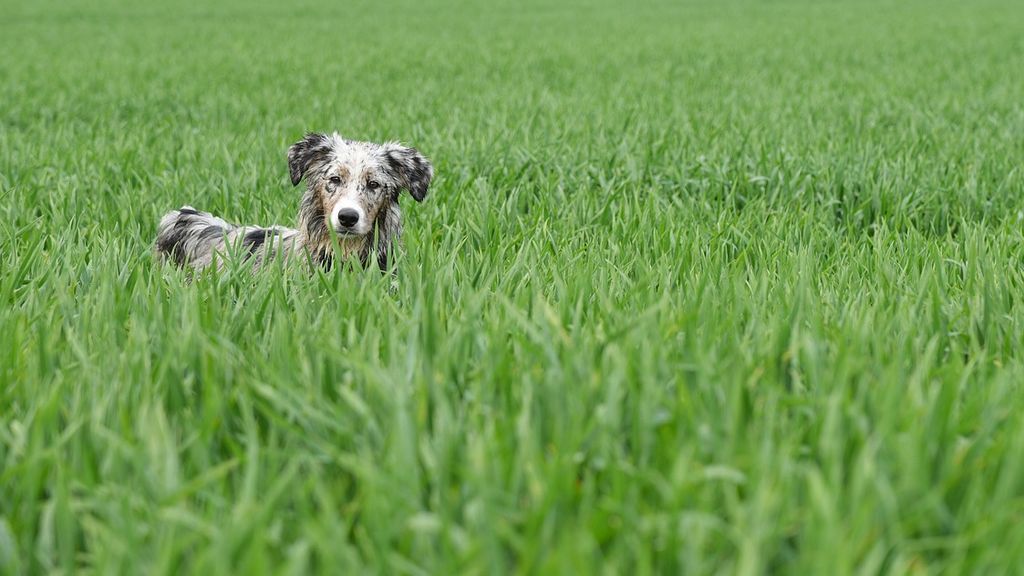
700,287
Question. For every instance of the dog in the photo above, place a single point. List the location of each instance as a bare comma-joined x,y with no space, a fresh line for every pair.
350,208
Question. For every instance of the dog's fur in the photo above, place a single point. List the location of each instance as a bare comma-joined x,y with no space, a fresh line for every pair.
351,202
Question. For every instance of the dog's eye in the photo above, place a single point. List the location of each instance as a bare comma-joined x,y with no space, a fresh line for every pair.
335,180
373,184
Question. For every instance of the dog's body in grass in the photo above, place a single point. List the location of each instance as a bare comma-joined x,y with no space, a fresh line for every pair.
350,209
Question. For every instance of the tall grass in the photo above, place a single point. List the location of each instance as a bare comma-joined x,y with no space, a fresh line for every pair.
699,287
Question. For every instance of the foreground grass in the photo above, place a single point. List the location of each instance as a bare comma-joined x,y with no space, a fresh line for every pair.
698,288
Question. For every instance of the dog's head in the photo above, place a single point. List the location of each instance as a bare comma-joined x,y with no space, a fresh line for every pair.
354,180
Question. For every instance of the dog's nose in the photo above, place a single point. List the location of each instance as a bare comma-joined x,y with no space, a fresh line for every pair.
348,217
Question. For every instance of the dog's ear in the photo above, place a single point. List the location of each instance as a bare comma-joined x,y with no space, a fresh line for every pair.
304,153
410,169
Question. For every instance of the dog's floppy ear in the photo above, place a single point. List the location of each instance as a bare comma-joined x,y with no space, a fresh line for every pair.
303,153
410,169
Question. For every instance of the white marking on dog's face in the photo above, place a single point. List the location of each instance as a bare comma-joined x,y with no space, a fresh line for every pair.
350,185
354,185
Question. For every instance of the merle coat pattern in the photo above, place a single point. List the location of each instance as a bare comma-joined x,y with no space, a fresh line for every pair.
350,205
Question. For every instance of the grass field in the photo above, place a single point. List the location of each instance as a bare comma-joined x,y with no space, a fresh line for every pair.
700,287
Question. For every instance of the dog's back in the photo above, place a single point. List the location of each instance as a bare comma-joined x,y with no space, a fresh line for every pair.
189,237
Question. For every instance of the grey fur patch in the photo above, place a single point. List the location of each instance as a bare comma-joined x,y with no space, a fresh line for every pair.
311,217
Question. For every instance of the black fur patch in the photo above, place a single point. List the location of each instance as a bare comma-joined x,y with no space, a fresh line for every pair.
323,258
253,240
188,211
412,171
211,232
303,154
171,244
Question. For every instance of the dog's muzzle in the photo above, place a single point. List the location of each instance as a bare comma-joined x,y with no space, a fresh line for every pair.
347,218
348,221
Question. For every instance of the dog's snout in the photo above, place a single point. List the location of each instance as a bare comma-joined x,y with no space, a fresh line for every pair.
348,217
